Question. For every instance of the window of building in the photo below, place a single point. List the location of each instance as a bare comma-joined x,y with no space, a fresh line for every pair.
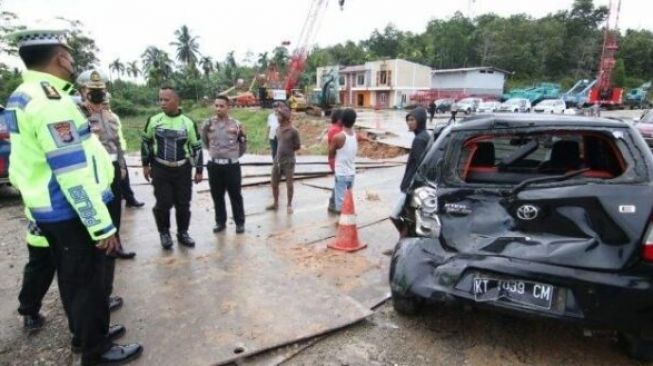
383,78
341,80
360,79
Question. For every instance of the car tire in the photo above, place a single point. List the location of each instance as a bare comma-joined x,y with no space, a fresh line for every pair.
406,305
637,347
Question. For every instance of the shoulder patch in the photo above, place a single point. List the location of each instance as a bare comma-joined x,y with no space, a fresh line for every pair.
9,118
50,91
18,100
64,133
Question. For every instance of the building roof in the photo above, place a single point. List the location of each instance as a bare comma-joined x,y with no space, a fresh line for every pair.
468,69
353,68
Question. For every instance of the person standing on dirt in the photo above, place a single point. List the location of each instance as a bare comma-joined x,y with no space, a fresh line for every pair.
64,174
284,162
273,124
226,140
416,121
343,149
432,109
170,147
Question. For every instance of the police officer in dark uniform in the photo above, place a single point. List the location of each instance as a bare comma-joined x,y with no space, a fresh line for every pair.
170,148
63,174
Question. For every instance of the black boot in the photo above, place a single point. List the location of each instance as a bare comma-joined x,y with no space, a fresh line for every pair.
115,303
32,323
185,239
115,331
135,204
116,355
166,241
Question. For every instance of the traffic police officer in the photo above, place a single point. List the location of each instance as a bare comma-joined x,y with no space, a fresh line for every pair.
63,174
108,129
226,141
170,146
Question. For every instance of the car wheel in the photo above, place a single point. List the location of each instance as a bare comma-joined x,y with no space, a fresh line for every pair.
406,305
636,347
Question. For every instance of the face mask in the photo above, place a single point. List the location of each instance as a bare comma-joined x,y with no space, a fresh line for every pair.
96,96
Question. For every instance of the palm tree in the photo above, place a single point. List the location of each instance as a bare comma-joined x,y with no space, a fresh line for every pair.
187,46
206,63
117,67
280,58
132,69
157,65
263,60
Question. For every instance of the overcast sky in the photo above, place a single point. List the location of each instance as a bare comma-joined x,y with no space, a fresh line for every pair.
124,28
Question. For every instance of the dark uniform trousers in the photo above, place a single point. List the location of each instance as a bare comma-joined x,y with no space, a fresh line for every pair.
37,277
40,268
227,178
115,211
172,187
126,189
81,272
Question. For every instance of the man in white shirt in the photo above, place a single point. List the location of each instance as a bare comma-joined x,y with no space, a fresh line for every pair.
273,125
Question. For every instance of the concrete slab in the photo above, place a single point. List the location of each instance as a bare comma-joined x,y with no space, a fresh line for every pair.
237,295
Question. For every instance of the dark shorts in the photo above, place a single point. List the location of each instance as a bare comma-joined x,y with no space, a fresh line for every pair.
283,168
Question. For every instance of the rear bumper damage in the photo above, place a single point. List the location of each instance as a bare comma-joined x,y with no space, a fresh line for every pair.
422,268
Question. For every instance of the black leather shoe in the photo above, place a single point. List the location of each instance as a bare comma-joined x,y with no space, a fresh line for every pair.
166,241
115,303
185,240
219,228
116,355
134,204
115,331
32,323
240,229
125,255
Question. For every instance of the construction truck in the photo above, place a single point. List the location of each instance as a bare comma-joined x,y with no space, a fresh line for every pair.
536,93
638,97
576,97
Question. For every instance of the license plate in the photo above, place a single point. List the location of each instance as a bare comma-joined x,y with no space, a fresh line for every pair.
523,293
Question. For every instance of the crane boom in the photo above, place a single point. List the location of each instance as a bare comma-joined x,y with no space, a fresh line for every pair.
603,91
309,29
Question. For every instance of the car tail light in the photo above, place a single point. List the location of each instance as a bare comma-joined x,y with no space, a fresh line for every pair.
425,203
647,245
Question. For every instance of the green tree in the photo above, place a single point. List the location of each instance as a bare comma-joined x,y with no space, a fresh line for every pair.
83,48
187,47
262,61
280,58
132,69
117,67
157,66
206,63
619,76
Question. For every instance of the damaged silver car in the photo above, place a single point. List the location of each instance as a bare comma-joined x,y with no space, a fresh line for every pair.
546,216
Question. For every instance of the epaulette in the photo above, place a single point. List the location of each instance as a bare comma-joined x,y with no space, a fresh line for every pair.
50,91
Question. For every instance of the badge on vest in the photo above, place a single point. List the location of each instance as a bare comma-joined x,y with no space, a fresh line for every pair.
64,133
50,91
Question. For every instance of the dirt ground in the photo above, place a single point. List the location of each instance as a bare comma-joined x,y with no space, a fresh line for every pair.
313,134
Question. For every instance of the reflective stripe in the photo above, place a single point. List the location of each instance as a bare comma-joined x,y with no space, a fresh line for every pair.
9,117
104,231
347,220
114,157
172,164
65,161
18,100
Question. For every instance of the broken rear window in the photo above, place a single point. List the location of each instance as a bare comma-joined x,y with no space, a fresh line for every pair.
511,158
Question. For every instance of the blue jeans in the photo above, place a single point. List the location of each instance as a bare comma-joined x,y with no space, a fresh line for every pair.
343,182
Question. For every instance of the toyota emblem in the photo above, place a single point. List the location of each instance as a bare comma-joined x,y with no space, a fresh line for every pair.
527,212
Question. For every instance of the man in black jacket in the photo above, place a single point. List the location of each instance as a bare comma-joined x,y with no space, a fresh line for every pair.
416,121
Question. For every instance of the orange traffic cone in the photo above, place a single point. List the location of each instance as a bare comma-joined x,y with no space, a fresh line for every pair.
347,236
